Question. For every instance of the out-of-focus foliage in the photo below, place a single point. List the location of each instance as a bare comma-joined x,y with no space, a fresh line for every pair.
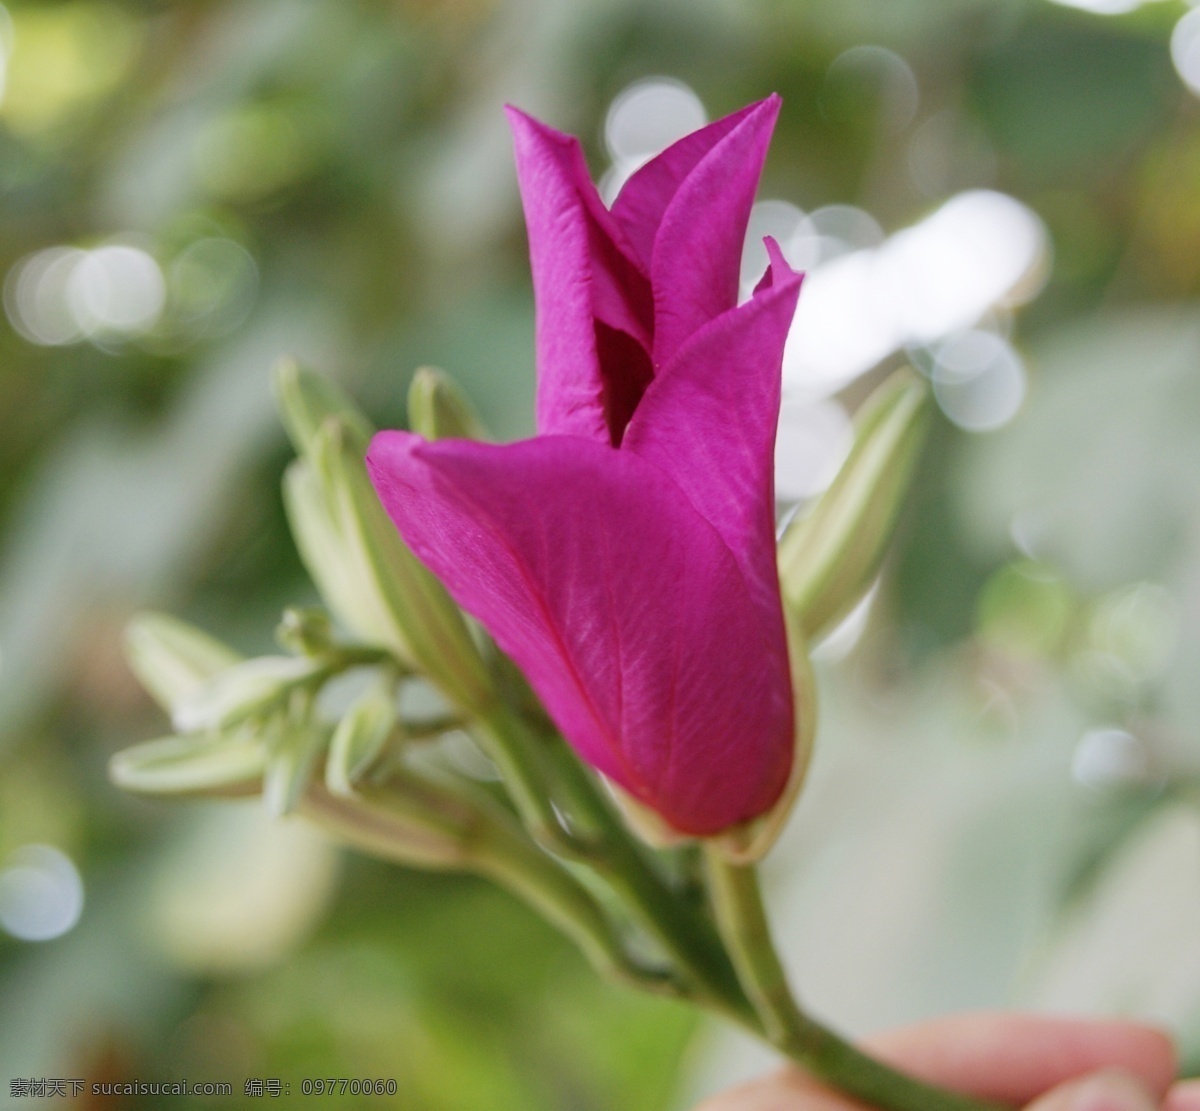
1003,804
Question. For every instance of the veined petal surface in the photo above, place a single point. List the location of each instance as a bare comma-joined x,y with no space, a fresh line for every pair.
584,279
624,607
709,421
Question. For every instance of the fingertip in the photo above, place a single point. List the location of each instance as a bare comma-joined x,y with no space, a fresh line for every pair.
1185,1096
1110,1090
1015,1057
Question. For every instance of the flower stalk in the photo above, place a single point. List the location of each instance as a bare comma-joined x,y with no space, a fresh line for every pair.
546,781
742,920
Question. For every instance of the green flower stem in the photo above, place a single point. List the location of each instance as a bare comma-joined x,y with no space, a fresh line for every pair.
737,902
540,768
529,873
412,823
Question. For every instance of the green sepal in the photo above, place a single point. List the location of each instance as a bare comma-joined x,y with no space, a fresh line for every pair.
360,738
421,625
328,558
307,400
197,764
829,558
439,410
293,743
247,689
172,659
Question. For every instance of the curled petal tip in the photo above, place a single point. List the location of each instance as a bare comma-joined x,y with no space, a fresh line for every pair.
779,273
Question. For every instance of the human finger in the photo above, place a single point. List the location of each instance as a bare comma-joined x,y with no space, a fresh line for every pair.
1108,1090
1015,1058
1185,1096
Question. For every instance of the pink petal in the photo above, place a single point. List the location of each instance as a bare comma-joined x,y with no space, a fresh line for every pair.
709,420
697,255
583,278
643,199
621,604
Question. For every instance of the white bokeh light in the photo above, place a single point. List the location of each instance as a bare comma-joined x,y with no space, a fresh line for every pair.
1185,49
1108,758
978,380
899,94
814,439
830,232
61,295
979,251
1103,7
35,296
41,893
649,115
841,328
116,289
644,119
6,45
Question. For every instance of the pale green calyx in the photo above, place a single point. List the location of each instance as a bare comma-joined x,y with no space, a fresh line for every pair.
439,410
829,558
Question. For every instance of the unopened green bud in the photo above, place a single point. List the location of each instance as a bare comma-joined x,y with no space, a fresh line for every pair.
306,400
198,764
359,739
439,410
305,631
293,745
328,558
829,558
172,659
423,626
245,690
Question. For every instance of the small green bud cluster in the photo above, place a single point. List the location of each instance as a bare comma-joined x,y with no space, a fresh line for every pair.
254,726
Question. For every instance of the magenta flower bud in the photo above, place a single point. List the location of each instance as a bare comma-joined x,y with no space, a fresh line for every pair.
625,556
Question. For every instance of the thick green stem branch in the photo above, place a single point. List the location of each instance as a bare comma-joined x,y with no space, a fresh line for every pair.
410,825
539,769
737,902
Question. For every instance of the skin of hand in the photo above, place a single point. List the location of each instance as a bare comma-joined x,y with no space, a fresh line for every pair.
1034,1062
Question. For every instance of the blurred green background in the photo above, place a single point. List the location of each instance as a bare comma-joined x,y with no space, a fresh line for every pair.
1003,811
